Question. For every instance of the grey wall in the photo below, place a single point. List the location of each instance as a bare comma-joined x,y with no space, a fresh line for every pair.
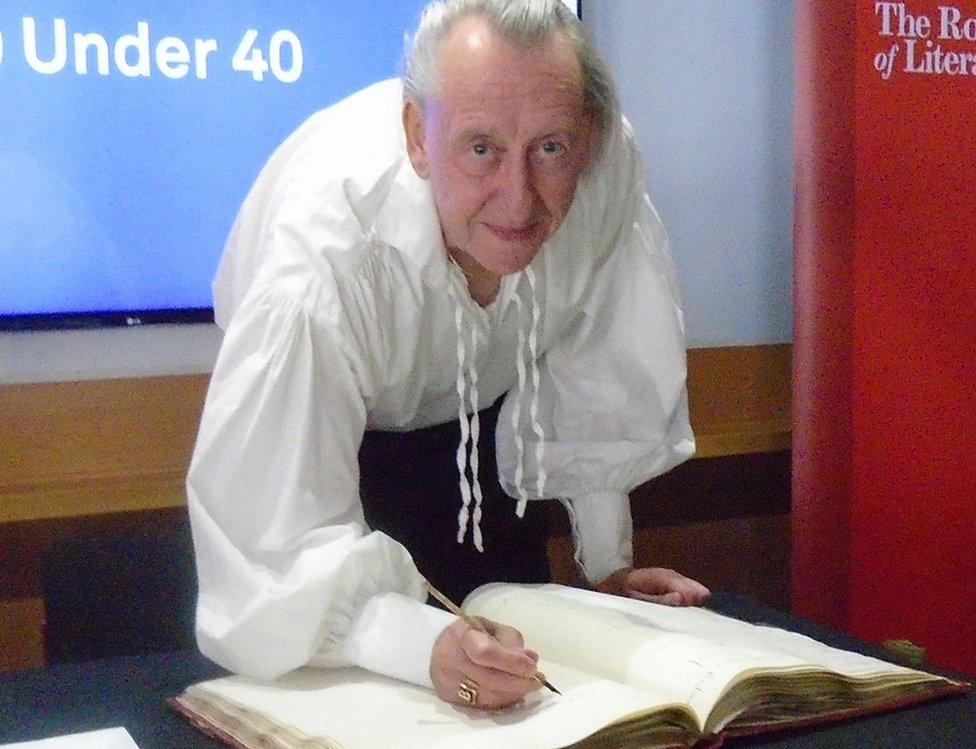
708,87
66,355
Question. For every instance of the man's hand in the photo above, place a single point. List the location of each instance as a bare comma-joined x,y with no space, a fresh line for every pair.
495,669
655,584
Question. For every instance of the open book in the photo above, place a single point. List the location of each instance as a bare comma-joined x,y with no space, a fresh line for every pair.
631,674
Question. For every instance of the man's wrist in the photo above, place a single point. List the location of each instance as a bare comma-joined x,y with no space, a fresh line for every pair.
602,533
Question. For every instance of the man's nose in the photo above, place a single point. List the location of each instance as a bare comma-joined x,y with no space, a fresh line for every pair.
516,189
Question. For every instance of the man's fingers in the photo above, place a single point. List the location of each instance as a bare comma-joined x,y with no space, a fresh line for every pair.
494,675
666,599
692,592
680,595
489,699
486,651
696,593
503,633
660,585
504,683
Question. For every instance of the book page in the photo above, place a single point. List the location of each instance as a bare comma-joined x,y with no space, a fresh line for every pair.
723,630
691,654
613,644
329,705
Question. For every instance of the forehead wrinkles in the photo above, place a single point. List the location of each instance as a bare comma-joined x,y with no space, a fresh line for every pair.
546,89
501,103
516,124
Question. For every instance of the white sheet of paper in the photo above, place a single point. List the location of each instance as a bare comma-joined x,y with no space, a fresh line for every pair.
108,738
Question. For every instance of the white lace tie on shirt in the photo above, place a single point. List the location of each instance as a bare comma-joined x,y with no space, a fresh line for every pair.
470,428
467,390
533,341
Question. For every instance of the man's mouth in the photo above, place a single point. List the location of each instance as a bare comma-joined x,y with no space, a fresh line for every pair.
514,234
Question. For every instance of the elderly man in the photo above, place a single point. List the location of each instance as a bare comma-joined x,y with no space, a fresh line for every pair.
477,235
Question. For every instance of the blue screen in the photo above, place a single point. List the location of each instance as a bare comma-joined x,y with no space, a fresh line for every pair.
131,131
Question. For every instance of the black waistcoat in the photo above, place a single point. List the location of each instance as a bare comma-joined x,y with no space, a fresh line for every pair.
410,491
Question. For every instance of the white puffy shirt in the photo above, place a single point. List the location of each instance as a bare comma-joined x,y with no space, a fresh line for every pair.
333,293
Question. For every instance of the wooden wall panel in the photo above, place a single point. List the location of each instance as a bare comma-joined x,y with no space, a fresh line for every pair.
78,448
739,399
21,640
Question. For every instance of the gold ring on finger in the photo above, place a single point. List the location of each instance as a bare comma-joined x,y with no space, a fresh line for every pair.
468,692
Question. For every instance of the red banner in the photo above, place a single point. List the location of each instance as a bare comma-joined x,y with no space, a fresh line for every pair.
907,514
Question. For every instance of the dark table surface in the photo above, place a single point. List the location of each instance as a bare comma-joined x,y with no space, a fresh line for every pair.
132,691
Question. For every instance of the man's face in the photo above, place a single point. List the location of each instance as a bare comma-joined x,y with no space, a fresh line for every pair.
503,142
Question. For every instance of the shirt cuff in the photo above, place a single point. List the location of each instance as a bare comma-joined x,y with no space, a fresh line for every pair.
394,635
603,533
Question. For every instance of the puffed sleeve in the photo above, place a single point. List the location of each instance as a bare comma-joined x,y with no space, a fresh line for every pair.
613,399
289,573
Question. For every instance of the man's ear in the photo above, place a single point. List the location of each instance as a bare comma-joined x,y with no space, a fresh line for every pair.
413,127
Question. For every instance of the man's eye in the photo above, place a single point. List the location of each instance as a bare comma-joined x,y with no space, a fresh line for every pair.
552,147
480,149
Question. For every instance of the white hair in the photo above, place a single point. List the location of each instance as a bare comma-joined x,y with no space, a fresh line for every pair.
521,22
